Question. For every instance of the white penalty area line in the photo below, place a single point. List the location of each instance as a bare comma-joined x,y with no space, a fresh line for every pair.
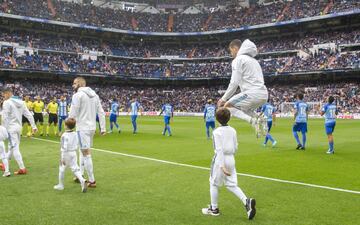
205,168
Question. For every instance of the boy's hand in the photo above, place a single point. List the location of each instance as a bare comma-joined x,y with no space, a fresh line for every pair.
220,103
225,171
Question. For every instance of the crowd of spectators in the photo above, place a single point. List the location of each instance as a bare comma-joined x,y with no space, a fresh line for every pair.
76,44
73,63
193,99
232,17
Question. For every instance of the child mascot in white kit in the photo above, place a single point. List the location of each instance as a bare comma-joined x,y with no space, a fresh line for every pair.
69,146
223,171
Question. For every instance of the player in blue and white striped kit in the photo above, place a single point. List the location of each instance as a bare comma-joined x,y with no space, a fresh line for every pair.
134,110
114,111
330,112
168,114
301,117
209,117
269,112
62,112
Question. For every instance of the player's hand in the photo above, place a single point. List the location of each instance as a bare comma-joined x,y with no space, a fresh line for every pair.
221,103
103,133
225,171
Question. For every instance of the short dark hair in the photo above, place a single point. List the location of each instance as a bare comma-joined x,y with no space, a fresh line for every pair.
235,43
331,99
223,116
300,96
70,123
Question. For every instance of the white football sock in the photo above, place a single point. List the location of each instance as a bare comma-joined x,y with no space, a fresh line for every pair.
18,157
76,171
89,167
81,162
238,192
214,194
5,162
240,114
3,156
61,174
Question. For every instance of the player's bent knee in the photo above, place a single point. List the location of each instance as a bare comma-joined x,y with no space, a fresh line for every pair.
228,105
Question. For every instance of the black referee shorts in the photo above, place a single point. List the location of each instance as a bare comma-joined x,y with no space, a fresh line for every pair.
38,117
25,120
53,118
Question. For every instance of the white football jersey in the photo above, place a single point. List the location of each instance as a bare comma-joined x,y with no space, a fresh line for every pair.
69,141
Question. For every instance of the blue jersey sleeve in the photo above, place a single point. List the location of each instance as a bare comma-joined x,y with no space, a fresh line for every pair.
263,108
324,108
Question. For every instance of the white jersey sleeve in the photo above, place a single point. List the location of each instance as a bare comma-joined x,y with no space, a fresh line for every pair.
29,116
218,147
6,111
234,82
101,113
75,106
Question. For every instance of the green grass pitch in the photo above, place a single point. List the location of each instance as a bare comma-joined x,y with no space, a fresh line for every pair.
139,191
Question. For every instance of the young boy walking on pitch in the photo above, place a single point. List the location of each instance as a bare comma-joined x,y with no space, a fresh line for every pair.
223,171
69,146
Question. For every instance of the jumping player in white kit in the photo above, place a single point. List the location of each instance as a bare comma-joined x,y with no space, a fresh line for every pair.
223,171
13,109
85,105
246,74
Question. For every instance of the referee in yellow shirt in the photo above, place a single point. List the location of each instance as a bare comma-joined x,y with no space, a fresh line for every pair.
38,107
25,121
52,109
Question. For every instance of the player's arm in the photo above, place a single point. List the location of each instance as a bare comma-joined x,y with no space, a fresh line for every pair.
295,111
48,108
323,110
140,109
30,117
75,107
219,153
205,111
307,112
162,110
5,114
233,86
101,113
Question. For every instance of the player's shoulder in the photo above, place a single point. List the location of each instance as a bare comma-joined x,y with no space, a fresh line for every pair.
232,129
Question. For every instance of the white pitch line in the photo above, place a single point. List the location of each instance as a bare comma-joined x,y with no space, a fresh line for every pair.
205,168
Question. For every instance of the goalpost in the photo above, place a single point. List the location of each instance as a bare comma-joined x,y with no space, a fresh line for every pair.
286,109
